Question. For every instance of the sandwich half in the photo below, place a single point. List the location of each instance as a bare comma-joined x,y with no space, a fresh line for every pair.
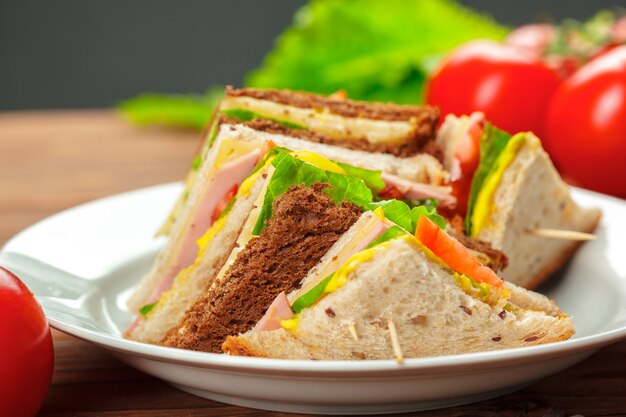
369,128
281,229
515,191
224,181
401,302
380,291
237,173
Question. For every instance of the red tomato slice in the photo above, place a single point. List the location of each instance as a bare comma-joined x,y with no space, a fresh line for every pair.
221,206
468,155
453,253
391,192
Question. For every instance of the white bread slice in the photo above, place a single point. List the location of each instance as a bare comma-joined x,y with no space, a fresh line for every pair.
187,288
167,253
532,195
431,313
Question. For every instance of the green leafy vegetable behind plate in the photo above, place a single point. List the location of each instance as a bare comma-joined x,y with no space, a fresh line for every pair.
375,50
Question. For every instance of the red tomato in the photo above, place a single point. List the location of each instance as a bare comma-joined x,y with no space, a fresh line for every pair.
26,353
468,156
223,203
586,125
509,85
453,253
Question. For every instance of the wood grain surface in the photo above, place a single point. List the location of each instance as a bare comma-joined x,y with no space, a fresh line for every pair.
50,161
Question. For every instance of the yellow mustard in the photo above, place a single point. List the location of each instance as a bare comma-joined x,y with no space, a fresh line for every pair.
246,185
290,324
484,201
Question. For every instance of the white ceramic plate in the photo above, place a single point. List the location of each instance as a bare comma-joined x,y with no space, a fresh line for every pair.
83,263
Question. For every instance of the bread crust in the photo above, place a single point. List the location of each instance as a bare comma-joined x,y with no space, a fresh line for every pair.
236,346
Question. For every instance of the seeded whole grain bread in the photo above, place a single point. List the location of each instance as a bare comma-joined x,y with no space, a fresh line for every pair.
305,224
431,313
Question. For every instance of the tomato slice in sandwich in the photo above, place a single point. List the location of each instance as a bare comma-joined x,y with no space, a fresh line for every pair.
223,203
453,253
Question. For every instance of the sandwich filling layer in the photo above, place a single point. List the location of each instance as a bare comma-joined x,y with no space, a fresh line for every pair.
220,190
307,222
338,119
343,107
404,149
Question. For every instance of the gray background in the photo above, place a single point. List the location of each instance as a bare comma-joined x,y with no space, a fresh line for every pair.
81,53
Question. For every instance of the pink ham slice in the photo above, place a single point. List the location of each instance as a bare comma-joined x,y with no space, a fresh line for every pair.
378,230
414,190
279,310
223,180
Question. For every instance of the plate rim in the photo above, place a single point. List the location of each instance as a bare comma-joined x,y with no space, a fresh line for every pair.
253,364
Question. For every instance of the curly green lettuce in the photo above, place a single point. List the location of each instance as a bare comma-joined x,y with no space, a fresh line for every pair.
375,50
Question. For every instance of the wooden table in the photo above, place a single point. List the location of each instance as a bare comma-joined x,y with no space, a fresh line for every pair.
50,161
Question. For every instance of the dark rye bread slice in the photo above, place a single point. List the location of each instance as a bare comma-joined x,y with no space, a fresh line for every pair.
402,150
305,224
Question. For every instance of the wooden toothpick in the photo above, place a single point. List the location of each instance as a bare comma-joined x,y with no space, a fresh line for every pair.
562,234
395,343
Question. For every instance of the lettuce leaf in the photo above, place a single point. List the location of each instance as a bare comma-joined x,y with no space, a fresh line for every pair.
146,309
292,171
247,116
356,187
492,142
179,110
373,179
375,50
310,297
431,213
406,217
